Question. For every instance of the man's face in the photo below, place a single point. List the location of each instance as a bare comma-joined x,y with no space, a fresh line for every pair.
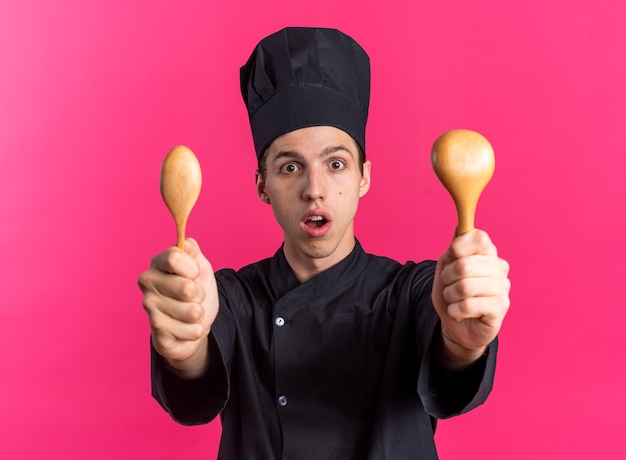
313,182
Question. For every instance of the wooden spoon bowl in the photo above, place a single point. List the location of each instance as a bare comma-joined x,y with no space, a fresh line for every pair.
181,180
464,163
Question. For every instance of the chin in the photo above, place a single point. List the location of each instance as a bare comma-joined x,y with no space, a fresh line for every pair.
318,251
326,248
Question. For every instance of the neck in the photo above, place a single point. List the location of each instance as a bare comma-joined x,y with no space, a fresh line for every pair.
314,260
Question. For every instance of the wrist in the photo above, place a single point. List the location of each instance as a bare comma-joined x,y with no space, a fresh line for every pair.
455,356
193,367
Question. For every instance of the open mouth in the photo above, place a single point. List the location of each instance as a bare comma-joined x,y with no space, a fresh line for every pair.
315,221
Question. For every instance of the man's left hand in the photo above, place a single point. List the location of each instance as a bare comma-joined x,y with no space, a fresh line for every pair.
471,294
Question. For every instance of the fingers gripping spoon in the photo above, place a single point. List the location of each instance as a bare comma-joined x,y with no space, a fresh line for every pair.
464,162
181,180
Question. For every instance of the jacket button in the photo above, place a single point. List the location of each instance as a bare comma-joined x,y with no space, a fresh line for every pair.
279,321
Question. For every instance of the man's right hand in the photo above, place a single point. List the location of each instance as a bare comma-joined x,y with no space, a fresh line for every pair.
180,297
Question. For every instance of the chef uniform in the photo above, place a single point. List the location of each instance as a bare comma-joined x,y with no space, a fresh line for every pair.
340,366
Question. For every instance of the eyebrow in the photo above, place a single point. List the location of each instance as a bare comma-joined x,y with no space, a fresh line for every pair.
325,153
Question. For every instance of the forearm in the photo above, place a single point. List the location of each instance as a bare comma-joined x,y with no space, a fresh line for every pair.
450,387
190,401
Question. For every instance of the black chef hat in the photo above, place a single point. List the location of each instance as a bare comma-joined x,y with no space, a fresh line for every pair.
300,77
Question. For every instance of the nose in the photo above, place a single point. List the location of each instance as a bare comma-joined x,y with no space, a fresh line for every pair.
314,187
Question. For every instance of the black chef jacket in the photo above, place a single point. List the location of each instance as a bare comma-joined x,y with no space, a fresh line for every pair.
338,367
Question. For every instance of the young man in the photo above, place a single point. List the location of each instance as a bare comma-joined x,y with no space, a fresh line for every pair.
322,351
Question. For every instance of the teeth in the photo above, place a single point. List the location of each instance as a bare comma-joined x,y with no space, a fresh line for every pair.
316,218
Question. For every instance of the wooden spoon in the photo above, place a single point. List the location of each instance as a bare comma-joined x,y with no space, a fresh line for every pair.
181,180
464,162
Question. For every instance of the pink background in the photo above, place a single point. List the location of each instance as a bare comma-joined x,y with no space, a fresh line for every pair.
94,94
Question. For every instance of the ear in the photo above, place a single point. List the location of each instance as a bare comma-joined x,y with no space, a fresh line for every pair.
365,178
260,187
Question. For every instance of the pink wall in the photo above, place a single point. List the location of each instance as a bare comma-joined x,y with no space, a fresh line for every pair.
93,94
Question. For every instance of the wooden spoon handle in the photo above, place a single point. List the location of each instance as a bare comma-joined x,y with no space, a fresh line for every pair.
180,233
